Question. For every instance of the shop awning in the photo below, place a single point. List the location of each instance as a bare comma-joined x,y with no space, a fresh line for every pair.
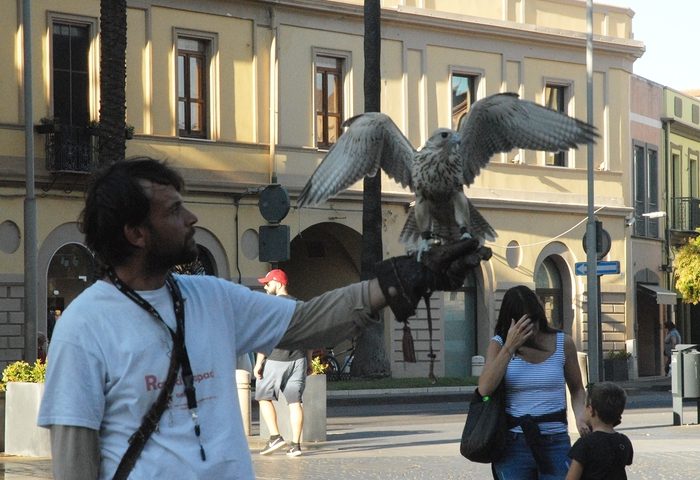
663,296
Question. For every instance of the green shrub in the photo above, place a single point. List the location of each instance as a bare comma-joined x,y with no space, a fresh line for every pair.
21,371
318,367
619,354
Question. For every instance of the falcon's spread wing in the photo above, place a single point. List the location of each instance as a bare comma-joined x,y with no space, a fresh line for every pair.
502,122
372,141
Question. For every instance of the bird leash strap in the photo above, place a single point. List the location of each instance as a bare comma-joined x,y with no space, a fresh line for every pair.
178,357
431,355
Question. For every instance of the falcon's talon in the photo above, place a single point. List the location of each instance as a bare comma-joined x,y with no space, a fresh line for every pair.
424,246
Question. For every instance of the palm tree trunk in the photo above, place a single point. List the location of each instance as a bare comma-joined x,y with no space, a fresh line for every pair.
371,359
112,80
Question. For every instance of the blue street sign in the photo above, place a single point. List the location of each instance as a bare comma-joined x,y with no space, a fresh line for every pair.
603,268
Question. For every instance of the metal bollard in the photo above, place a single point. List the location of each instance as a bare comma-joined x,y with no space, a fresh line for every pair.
243,385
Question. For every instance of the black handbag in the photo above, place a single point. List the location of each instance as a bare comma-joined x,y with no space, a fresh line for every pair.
484,434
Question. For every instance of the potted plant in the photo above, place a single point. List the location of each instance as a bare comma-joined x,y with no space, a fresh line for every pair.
24,386
48,125
315,402
94,129
615,365
129,131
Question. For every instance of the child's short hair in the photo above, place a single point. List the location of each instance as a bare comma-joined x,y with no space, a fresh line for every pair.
608,400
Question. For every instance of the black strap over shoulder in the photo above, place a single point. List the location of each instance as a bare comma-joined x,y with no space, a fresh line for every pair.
149,423
178,358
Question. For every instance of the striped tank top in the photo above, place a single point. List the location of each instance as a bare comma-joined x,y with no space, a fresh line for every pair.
537,388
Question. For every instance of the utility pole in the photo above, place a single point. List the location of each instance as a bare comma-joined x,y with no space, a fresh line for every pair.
30,228
594,331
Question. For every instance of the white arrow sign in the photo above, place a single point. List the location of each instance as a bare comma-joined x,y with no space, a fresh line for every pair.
603,268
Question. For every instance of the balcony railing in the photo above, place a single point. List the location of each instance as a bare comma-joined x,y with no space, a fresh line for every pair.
685,213
70,149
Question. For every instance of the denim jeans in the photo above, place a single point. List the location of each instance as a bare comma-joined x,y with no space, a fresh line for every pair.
519,464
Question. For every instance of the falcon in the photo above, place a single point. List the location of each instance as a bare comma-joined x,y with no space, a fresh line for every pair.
449,161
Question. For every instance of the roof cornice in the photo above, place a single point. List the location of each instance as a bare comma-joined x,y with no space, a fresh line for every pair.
475,25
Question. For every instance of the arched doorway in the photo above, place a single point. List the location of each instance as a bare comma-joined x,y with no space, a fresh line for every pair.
548,287
71,270
323,257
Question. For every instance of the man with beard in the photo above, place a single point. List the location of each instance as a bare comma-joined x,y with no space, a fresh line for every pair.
139,382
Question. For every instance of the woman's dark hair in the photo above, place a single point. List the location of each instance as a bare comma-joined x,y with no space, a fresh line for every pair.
518,301
670,325
608,400
116,198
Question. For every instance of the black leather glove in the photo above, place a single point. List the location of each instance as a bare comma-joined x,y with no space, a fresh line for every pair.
404,280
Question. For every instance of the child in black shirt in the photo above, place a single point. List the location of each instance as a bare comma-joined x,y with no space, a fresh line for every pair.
604,453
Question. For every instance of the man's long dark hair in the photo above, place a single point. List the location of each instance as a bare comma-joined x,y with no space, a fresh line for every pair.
114,199
518,301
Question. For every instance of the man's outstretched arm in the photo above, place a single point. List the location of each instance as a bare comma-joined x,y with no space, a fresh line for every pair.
400,284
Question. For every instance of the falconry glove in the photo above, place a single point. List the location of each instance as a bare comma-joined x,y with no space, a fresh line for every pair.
404,280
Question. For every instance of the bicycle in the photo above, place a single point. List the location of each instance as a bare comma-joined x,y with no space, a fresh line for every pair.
334,369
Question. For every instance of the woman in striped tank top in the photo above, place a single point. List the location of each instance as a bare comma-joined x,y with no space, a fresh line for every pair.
536,364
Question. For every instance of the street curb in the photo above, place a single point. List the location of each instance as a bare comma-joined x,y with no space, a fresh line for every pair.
397,392
633,388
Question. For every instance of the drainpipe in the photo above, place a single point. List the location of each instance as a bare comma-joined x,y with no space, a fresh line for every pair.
31,274
274,113
670,218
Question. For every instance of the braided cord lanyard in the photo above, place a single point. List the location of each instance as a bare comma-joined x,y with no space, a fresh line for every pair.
431,355
150,421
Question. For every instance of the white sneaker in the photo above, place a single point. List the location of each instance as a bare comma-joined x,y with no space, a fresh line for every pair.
272,446
295,451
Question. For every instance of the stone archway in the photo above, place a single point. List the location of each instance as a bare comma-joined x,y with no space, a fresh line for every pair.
71,270
323,257
68,236
556,255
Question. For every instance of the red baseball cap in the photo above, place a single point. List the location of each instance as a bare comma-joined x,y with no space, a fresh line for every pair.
276,274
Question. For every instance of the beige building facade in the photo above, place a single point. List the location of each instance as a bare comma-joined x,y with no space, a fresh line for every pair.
238,95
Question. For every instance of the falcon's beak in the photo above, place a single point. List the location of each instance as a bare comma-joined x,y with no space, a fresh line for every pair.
455,138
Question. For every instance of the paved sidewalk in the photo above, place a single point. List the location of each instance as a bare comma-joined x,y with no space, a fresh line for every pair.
409,435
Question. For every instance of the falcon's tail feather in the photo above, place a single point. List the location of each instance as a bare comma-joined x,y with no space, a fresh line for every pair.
479,227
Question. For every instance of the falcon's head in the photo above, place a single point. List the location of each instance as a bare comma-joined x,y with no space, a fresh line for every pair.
441,138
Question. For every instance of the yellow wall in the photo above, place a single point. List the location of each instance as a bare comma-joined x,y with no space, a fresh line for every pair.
417,59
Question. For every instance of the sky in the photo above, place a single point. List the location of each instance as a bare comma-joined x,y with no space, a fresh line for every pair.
667,28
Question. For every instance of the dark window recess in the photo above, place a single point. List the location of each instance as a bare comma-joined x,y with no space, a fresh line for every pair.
555,98
71,44
463,96
329,100
192,108
71,145
678,106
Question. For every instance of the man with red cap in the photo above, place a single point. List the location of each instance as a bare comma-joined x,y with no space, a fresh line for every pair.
281,371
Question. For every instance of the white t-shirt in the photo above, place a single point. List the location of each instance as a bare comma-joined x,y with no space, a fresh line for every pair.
109,358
